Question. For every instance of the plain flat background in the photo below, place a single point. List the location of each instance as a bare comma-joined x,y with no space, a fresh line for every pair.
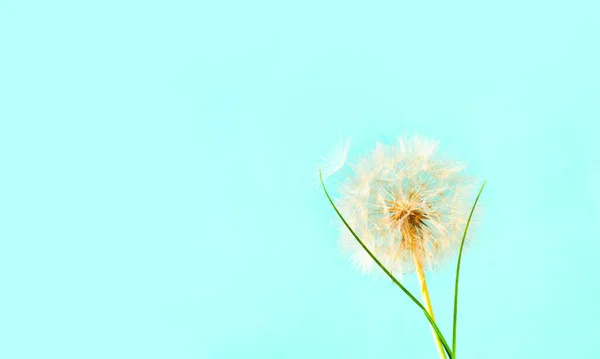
157,163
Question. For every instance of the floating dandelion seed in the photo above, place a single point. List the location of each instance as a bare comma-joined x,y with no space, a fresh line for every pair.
336,159
409,207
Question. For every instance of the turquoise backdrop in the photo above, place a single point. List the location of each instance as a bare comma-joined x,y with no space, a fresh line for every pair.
157,161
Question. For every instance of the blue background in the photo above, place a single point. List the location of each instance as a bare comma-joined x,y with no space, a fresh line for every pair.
157,160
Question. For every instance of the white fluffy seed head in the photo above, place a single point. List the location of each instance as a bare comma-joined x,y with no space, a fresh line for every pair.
406,204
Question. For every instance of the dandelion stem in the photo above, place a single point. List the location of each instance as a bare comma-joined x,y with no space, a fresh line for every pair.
427,302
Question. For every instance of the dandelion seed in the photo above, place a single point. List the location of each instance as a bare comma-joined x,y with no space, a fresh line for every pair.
336,159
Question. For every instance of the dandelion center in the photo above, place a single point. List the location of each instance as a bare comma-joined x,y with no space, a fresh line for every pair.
408,218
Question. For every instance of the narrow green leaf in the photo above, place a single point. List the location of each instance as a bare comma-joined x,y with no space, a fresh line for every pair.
462,243
406,291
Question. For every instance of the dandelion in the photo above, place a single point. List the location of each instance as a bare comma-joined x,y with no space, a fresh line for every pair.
408,205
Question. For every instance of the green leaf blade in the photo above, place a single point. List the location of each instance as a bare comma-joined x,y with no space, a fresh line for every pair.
462,243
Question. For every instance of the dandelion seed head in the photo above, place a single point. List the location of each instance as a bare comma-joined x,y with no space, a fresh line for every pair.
404,201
